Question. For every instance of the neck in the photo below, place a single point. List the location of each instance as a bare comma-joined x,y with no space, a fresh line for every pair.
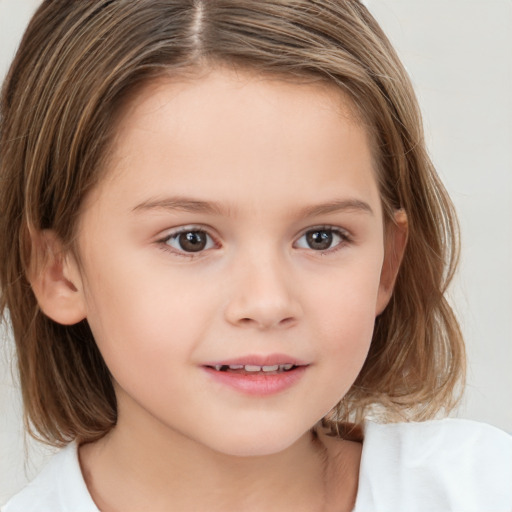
128,469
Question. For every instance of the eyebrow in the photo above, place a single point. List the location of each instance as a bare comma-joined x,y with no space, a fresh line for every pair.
181,203
211,207
350,205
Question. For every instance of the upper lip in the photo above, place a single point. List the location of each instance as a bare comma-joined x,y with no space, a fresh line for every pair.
259,360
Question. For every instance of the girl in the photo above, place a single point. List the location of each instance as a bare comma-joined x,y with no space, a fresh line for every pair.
225,250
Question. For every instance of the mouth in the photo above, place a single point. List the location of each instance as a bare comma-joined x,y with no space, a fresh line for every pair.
258,375
252,369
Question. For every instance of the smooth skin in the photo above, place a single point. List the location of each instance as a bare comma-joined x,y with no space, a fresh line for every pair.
240,215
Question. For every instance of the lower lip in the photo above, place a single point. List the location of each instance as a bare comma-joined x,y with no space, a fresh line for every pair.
258,384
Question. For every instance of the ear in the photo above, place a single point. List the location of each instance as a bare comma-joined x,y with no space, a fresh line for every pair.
55,279
394,247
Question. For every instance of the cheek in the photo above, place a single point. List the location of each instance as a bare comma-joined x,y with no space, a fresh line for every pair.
123,316
345,314
138,341
349,295
146,317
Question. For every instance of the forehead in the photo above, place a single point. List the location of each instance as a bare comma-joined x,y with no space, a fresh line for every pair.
238,128
239,81
263,100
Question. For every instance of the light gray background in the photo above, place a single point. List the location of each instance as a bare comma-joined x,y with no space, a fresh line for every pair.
459,55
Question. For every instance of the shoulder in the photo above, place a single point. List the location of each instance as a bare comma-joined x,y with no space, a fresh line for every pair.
59,487
446,465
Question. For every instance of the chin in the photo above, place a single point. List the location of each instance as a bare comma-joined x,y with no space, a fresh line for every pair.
256,444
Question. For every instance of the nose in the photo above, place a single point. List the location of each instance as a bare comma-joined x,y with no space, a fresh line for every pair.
262,295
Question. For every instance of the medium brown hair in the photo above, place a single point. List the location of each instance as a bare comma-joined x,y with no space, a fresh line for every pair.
77,64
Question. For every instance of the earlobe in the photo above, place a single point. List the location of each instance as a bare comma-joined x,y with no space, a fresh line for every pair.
395,243
55,279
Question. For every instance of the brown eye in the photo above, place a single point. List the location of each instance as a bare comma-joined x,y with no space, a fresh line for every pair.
193,241
190,241
320,240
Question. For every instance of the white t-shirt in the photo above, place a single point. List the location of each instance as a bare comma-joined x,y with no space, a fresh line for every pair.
433,466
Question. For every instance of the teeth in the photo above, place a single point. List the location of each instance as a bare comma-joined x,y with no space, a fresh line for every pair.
273,368
251,368
254,368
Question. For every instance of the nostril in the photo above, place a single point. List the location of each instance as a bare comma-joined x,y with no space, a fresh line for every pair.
287,321
262,312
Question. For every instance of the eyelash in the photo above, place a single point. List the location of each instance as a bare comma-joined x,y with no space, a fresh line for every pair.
164,242
345,238
343,235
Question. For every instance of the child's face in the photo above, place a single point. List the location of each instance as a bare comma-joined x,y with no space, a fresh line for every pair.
239,223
